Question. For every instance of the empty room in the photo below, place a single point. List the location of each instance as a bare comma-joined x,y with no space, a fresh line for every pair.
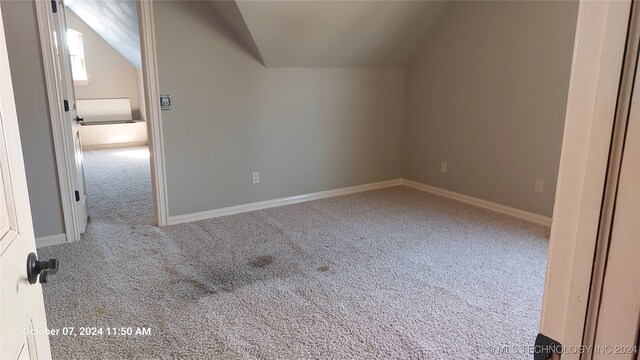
319,179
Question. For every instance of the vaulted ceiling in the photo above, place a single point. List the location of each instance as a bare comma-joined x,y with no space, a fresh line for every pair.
332,33
293,33
116,21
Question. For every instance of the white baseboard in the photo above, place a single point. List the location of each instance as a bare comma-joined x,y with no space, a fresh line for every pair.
51,240
503,209
209,214
116,145
520,214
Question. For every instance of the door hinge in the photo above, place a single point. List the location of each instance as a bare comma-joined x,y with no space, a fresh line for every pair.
77,195
54,6
66,105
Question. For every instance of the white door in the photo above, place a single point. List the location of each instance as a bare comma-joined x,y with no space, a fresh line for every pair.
22,312
618,324
65,81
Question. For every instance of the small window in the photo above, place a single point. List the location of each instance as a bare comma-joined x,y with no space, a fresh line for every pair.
76,51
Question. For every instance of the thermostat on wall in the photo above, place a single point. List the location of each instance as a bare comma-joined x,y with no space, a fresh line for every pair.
165,102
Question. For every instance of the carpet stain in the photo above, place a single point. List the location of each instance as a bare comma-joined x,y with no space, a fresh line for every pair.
261,261
142,231
324,268
199,286
100,311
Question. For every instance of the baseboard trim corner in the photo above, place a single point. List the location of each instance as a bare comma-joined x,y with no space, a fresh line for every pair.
49,240
231,210
503,209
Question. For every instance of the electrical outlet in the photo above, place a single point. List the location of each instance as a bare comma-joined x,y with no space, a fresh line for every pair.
256,177
443,166
537,187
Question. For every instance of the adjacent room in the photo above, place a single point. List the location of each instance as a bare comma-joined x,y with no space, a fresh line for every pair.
107,82
344,179
107,75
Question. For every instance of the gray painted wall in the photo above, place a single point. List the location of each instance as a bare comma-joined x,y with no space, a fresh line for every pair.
488,95
304,129
110,74
23,44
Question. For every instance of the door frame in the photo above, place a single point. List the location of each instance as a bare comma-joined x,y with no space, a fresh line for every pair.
151,86
61,130
596,70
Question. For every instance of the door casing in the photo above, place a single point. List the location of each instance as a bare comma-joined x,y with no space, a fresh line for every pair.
598,55
626,115
62,132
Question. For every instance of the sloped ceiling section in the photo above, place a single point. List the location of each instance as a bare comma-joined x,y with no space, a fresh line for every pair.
229,11
116,21
332,33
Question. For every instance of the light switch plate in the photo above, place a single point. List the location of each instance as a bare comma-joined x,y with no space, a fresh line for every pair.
165,102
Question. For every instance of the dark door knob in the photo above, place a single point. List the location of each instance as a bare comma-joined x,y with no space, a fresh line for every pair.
42,268
78,119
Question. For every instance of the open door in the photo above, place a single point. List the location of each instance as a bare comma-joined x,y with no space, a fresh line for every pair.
71,113
22,314
55,29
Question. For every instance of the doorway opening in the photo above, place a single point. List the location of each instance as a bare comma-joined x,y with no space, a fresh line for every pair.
101,79
106,67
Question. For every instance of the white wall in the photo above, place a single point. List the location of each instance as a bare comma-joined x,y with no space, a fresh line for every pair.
488,94
110,74
32,107
112,135
304,129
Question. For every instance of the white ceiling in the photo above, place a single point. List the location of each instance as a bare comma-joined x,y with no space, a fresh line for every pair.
332,33
116,21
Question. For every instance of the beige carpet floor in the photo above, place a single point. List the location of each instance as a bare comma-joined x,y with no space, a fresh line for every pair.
393,273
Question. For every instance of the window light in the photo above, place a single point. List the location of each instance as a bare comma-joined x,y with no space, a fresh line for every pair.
76,52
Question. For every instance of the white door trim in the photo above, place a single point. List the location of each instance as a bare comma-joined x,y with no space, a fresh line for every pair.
61,130
593,90
63,144
154,117
613,200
